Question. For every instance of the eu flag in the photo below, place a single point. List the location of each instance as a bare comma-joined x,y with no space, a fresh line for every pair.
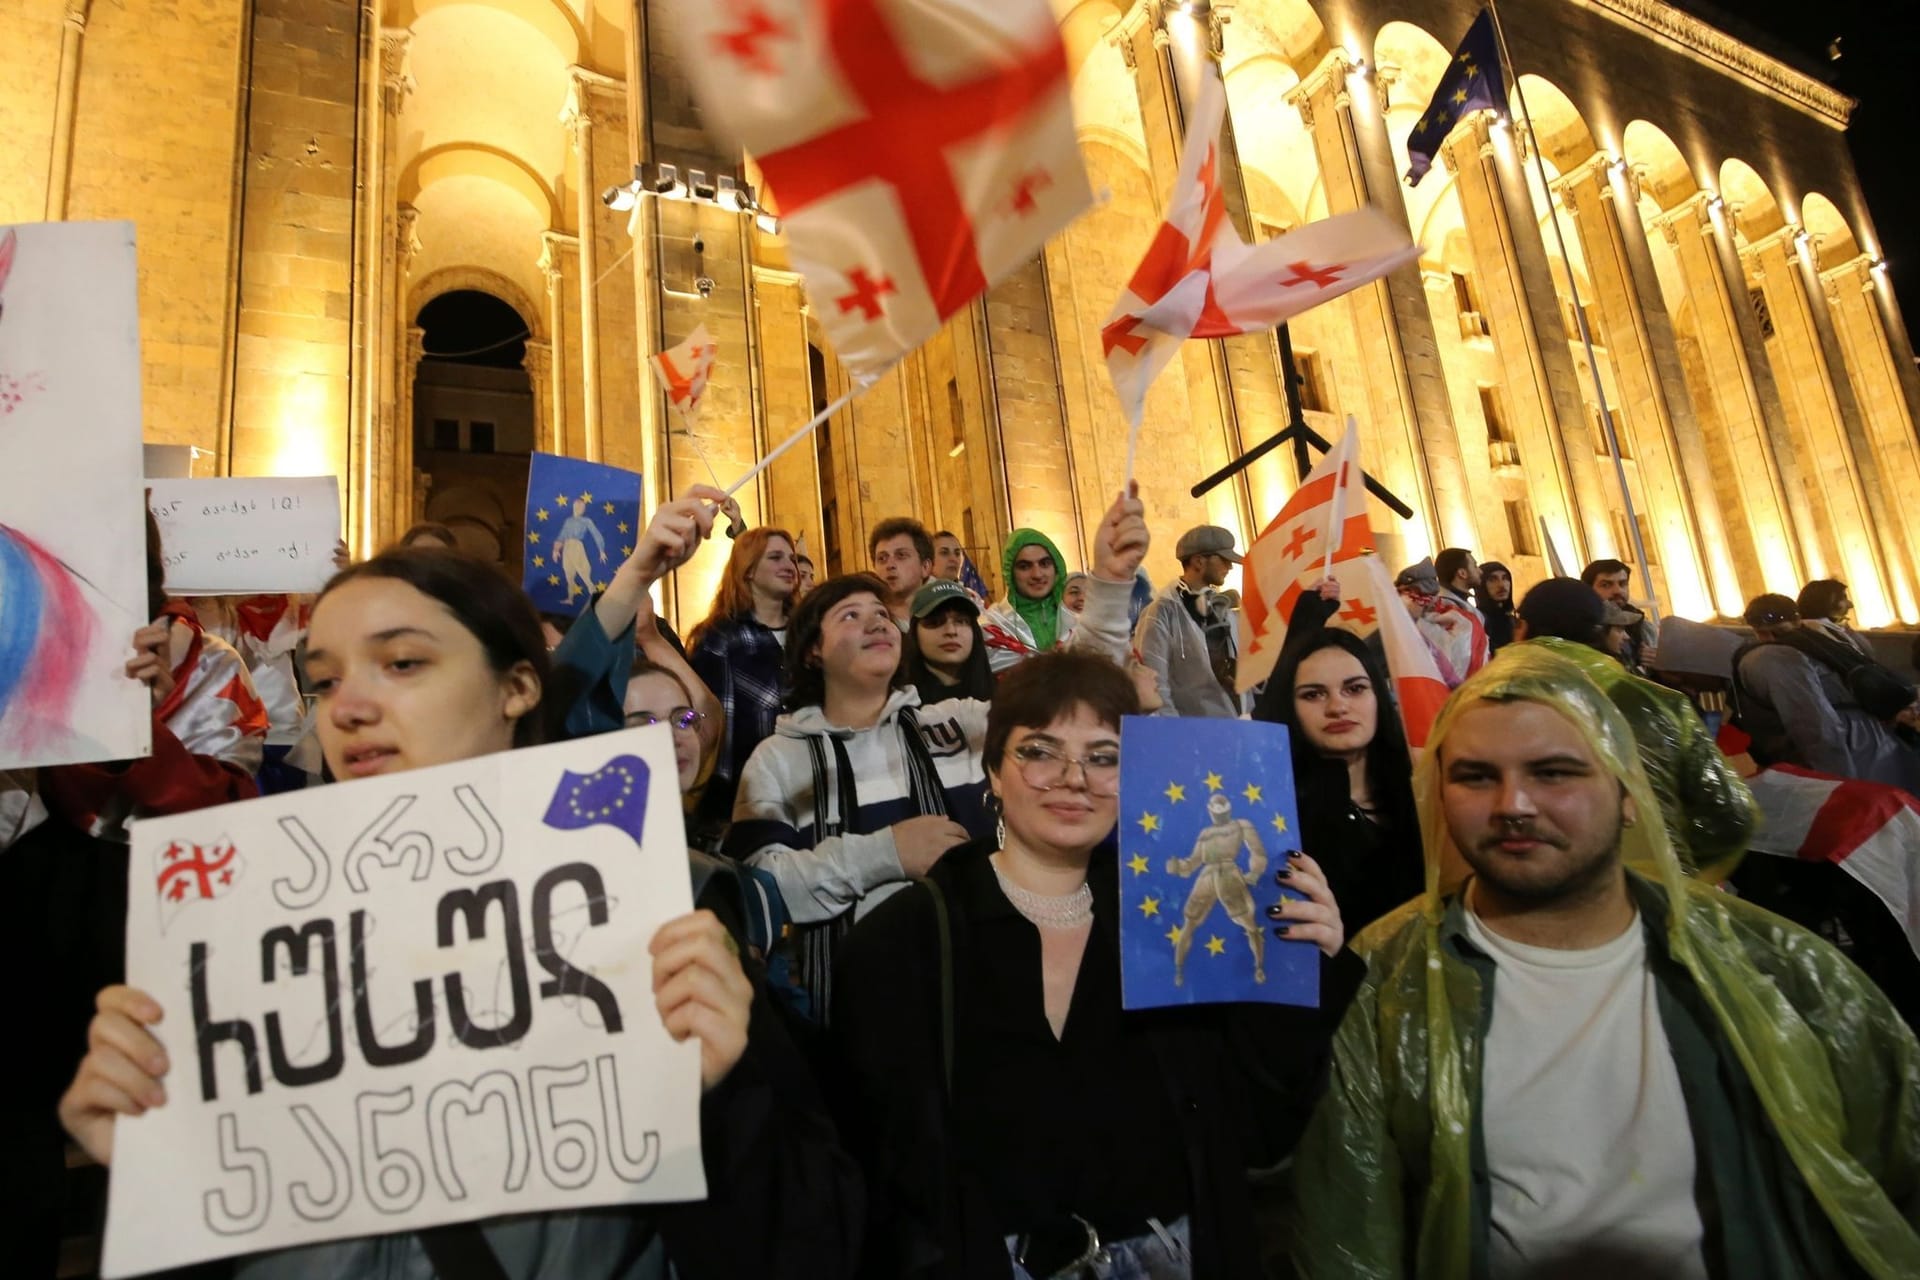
583,521
1473,82
614,794
1207,815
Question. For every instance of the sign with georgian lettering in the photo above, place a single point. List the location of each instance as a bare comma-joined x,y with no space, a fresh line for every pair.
406,1001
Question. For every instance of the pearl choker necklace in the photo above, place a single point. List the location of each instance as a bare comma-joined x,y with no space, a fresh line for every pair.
1068,911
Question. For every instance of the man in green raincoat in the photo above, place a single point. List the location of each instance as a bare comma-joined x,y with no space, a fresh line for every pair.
1583,1062
1030,619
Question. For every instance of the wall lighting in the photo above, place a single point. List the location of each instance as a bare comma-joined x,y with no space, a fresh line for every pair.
1878,266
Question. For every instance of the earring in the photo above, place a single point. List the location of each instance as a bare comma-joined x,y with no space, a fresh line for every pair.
999,819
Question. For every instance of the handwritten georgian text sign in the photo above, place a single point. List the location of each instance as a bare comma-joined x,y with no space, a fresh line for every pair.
239,536
407,1001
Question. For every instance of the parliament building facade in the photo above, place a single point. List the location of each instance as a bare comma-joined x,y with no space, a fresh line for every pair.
306,176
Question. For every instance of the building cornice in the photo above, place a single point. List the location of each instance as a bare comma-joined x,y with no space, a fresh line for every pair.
1707,43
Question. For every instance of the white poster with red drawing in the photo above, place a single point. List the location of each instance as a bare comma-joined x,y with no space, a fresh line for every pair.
406,1001
72,530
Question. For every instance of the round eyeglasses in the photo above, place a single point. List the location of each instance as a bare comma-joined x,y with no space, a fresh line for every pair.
1045,767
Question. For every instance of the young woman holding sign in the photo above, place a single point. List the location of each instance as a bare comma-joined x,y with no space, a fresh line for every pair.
423,657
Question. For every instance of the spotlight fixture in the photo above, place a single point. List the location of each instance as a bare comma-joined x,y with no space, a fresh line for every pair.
697,182
666,183
620,199
1878,266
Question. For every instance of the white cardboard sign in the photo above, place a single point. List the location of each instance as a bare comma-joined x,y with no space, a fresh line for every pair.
72,543
242,535
406,1001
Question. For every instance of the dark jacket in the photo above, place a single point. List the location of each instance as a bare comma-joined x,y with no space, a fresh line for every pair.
1240,1080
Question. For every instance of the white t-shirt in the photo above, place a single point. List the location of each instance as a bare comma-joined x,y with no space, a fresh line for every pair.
1588,1144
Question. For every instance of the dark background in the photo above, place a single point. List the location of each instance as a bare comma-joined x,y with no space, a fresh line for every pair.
1878,43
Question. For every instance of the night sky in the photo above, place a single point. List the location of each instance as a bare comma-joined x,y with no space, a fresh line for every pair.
1878,43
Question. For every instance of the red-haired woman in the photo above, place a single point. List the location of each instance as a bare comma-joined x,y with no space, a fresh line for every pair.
739,652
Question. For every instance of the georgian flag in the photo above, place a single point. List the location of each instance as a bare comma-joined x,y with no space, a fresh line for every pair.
1291,554
1200,280
683,372
917,150
1868,828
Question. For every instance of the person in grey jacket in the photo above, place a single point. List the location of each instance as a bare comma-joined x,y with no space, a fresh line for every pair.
1186,636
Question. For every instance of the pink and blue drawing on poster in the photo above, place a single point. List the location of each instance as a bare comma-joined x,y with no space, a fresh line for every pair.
46,631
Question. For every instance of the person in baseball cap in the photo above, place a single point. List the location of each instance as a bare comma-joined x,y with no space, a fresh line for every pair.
1572,610
946,652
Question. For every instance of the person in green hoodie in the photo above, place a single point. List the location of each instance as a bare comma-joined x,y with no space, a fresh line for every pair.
1580,1061
1031,618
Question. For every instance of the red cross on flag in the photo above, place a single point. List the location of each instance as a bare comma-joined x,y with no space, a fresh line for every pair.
1200,280
918,150
683,371
186,873
1868,828
1291,555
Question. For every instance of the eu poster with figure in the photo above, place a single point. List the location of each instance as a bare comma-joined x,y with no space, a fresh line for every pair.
583,519
1207,816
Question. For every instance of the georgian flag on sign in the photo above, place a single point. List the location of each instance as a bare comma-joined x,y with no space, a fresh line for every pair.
917,150
1200,280
683,372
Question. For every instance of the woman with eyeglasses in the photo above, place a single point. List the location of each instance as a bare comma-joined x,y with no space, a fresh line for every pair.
1012,1119
421,657
862,787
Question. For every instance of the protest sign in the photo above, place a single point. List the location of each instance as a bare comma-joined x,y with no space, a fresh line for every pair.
72,585
406,1001
582,522
247,536
1207,816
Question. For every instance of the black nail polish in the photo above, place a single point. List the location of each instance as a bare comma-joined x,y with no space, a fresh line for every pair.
1283,874
1295,854
1273,913
1284,931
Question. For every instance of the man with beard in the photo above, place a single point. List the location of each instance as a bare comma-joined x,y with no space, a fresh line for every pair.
1580,1063
1494,598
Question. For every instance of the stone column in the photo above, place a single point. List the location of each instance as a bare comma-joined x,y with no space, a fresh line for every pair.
400,368
1873,367
1408,414
618,355
392,441
1681,521
66,99
552,245
579,119
1493,540
538,362
1530,338
1843,479
411,482
1746,475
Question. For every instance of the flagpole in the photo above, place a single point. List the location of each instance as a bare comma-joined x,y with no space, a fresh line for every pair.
1579,313
796,438
1336,509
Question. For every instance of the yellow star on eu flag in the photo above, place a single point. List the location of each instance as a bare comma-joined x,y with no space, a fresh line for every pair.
1214,945
1173,934
1175,792
622,526
541,514
534,536
608,506
1149,822
1460,95
1137,864
1213,782
599,586
1280,823
560,500
1252,793
539,562
1150,907
626,551
553,579
586,497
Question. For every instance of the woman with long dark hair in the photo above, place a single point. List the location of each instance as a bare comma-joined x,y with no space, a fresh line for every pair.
946,655
424,656
739,654
1352,773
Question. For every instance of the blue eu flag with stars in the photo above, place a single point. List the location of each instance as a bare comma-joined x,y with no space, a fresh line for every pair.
583,521
614,794
1473,82
1207,816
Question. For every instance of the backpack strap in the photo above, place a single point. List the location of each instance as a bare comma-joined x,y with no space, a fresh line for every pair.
923,776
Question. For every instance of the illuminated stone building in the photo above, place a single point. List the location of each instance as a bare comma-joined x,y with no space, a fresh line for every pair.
307,175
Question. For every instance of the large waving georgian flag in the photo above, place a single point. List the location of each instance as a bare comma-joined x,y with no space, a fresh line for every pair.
683,372
1200,280
917,150
1326,519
